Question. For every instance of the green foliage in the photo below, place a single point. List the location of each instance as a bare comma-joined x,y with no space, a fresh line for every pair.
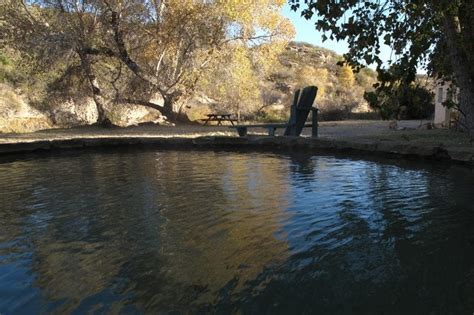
7,75
235,53
401,102
410,28
419,102
21,71
373,115
434,34
336,114
4,60
340,114
451,97
139,49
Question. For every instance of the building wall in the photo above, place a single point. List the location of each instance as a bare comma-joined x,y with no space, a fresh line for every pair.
441,113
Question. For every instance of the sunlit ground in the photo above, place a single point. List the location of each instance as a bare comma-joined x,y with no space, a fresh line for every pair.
358,130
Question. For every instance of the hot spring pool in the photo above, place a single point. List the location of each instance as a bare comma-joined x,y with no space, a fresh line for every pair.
173,231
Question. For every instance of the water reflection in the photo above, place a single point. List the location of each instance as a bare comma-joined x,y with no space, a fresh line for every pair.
179,231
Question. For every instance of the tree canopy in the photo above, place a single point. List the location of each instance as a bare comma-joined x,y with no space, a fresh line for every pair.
435,34
134,51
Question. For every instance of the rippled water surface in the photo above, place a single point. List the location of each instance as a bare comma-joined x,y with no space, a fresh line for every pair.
150,232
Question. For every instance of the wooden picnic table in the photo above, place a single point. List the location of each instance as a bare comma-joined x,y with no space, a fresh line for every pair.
219,118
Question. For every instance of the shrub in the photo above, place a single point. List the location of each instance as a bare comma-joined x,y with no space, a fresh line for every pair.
332,115
365,116
4,60
272,116
401,102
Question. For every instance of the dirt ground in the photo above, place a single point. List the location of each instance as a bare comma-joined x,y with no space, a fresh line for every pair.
358,130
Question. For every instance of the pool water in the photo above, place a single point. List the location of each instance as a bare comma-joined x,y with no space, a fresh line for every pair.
131,232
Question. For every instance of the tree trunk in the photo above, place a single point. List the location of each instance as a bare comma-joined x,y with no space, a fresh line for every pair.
463,71
173,108
96,92
168,108
466,107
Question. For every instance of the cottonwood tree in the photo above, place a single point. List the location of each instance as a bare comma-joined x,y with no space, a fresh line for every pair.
420,32
234,79
309,75
346,77
236,89
57,32
133,51
187,40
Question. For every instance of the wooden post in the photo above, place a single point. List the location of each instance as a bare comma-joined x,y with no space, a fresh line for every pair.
314,121
271,131
242,130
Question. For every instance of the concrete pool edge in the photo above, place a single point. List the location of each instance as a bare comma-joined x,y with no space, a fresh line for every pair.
438,153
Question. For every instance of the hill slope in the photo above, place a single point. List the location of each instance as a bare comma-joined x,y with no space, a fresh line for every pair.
340,91
303,64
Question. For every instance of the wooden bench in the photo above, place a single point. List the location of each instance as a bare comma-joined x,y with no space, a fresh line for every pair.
271,128
219,118
302,105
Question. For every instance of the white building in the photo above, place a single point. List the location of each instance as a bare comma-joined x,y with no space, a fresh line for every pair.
443,115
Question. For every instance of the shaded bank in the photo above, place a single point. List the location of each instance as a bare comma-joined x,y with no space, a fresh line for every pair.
151,231
460,155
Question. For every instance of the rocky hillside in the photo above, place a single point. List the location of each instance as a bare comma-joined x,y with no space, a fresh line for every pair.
16,115
302,64
340,89
340,92
27,103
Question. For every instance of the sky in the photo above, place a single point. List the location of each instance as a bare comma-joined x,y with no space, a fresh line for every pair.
306,32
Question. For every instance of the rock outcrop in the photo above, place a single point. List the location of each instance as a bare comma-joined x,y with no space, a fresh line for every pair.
71,111
124,115
16,116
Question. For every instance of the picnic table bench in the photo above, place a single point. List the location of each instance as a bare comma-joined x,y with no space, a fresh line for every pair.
219,118
271,128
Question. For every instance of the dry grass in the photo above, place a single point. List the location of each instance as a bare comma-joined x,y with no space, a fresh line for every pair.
9,100
371,131
438,137
20,125
196,113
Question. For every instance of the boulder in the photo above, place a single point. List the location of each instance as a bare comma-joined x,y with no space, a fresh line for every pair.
16,116
73,110
76,110
124,115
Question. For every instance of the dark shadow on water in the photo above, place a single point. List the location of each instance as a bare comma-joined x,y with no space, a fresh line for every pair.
137,231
